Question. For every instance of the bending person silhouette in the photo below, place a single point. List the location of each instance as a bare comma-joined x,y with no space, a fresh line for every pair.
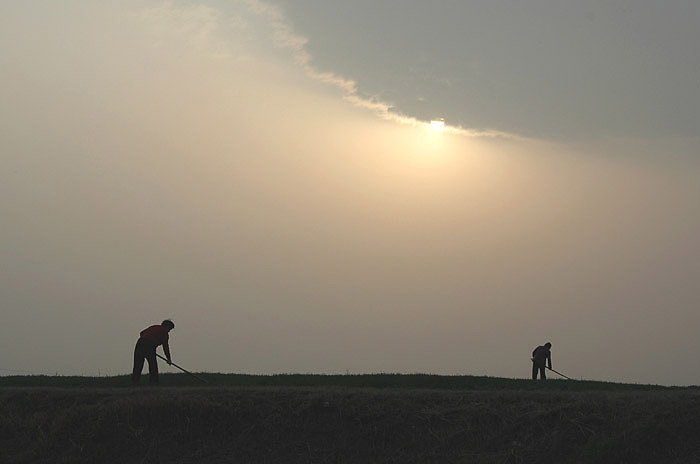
540,356
145,350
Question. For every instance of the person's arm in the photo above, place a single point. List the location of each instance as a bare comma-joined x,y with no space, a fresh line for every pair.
549,359
166,349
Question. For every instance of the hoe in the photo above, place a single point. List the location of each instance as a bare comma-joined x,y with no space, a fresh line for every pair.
196,376
557,372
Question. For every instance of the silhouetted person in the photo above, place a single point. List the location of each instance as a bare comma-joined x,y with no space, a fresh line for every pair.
541,356
145,349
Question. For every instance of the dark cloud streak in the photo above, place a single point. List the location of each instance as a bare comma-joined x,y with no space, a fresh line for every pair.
545,69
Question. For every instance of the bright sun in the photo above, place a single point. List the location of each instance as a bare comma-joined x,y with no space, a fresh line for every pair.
437,124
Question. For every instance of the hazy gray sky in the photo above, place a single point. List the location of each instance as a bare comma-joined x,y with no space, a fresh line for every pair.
264,174
553,68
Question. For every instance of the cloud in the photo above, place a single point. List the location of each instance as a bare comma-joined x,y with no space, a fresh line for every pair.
286,38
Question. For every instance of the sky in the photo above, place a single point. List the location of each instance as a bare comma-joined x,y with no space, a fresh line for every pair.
264,173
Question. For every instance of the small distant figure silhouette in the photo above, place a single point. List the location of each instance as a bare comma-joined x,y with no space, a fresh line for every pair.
145,350
540,356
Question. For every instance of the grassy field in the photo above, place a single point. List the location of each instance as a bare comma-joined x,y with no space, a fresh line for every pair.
338,419
460,382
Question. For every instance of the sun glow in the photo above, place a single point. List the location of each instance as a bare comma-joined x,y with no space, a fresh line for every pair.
437,124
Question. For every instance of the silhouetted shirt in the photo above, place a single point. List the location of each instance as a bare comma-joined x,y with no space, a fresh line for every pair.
542,354
158,335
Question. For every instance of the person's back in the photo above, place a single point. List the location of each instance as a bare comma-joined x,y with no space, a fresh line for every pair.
158,334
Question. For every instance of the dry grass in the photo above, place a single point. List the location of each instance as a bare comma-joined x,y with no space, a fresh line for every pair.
346,425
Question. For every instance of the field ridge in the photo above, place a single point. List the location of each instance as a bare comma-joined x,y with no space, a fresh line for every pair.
379,418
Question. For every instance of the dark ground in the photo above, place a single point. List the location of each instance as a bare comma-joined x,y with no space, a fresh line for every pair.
552,423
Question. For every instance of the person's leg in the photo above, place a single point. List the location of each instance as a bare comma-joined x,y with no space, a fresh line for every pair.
543,374
152,366
534,371
139,358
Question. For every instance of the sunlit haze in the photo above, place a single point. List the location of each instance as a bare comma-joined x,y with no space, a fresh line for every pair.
437,124
258,174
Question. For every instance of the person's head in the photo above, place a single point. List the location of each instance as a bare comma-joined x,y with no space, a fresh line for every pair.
168,324
546,345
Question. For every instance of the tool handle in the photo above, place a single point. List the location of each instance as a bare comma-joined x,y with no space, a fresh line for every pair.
183,370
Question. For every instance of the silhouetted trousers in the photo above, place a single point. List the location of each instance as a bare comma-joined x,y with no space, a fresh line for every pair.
145,351
538,367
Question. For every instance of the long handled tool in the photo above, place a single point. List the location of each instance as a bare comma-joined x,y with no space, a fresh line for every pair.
190,373
557,372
